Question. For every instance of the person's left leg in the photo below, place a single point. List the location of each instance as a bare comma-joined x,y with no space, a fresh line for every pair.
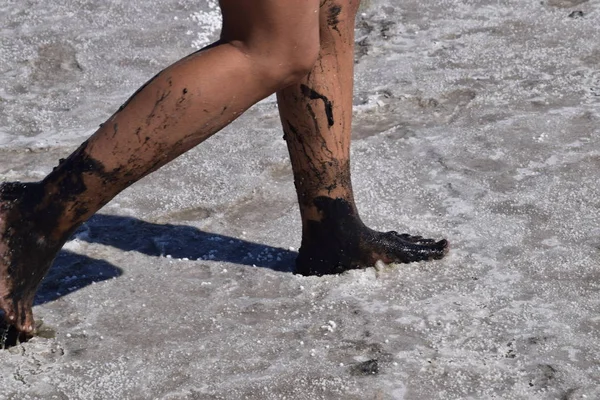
316,114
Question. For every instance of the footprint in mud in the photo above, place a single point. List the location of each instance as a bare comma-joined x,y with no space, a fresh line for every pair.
543,376
397,116
56,63
450,105
374,353
369,367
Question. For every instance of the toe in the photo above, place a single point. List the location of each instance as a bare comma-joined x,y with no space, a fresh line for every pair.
24,321
19,315
444,245
411,252
439,249
401,236
418,239
426,241
9,312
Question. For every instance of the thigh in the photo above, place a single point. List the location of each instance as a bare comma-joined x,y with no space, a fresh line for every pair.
255,22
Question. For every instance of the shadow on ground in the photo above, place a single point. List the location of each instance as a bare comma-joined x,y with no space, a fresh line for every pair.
71,272
182,241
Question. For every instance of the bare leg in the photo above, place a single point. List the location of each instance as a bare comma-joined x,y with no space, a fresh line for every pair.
316,115
265,46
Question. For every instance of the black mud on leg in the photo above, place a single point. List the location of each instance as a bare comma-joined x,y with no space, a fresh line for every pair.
314,95
332,17
35,228
10,336
331,245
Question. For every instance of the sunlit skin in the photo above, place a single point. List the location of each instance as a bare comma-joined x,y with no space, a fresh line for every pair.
302,50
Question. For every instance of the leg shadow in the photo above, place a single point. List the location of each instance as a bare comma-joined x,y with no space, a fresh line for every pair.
181,241
71,272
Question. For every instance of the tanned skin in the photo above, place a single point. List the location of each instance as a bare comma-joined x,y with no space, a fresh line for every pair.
316,115
303,50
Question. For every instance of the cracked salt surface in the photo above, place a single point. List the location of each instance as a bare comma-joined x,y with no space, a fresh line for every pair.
473,121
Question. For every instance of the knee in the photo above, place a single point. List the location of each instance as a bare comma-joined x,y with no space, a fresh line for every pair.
293,63
282,61
302,60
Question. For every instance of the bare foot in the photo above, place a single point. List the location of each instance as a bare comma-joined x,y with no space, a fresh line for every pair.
26,252
340,241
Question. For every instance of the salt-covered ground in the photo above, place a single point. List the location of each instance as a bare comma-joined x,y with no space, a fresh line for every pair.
474,120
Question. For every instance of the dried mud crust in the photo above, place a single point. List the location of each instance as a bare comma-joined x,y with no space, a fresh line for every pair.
340,241
26,254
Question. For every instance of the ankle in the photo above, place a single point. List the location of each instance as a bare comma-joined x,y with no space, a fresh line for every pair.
331,243
28,205
336,214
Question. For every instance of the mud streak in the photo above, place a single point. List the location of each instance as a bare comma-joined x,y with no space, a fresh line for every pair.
332,18
314,95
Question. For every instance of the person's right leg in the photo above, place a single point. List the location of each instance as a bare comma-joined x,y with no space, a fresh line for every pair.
316,114
265,46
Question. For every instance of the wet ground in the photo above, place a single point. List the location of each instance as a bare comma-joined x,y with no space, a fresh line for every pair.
477,121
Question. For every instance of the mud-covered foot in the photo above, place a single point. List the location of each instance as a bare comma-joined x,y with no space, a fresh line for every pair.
26,253
10,336
340,241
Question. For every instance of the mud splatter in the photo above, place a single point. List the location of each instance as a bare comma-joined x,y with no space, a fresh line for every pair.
332,17
324,171
158,102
